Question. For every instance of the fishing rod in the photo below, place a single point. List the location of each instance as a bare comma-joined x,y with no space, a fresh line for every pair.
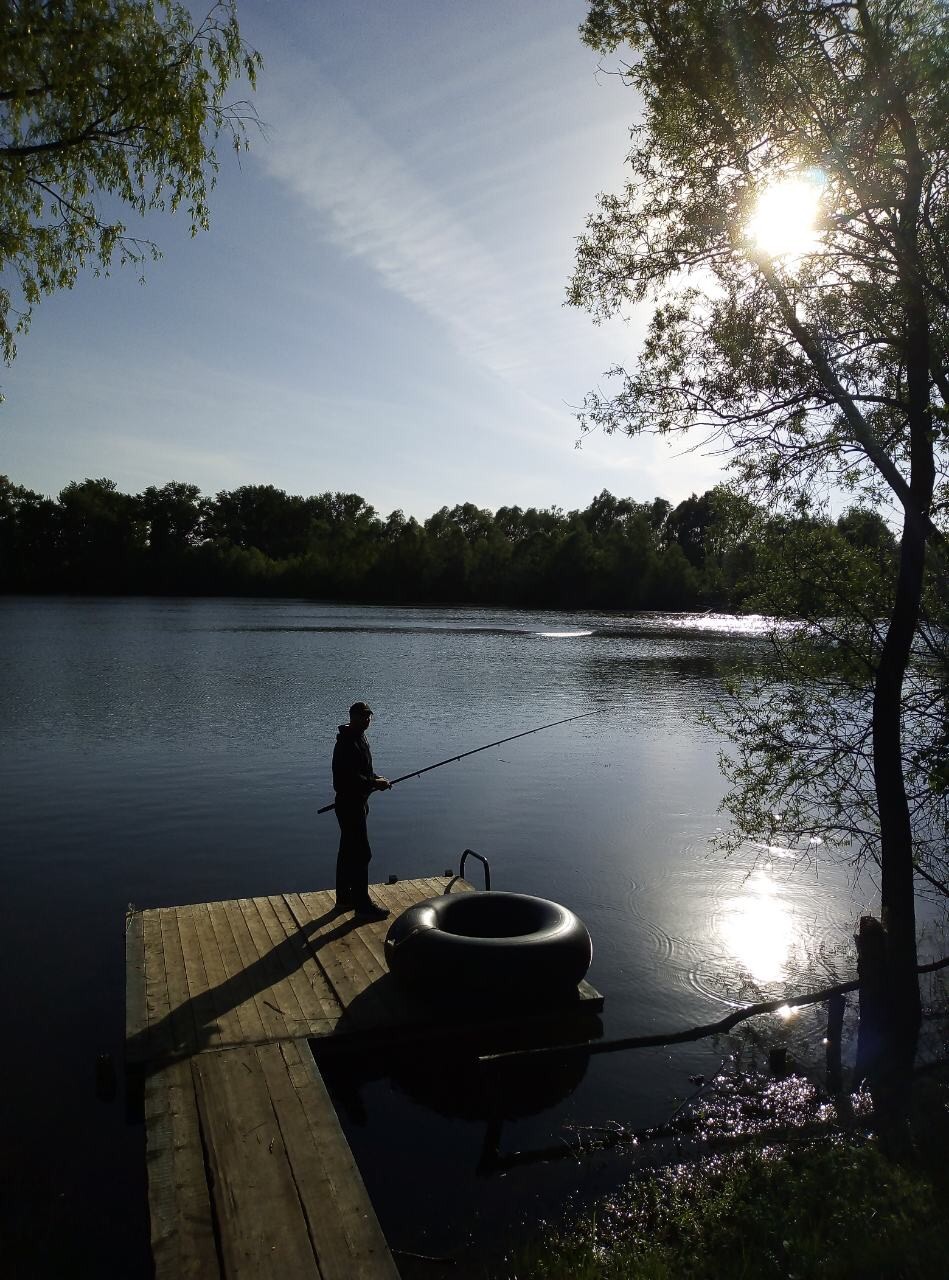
417,773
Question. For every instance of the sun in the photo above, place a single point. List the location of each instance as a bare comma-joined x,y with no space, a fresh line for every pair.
783,223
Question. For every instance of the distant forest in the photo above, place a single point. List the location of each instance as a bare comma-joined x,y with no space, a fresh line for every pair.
710,551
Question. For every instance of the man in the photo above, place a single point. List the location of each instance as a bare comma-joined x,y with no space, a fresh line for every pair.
354,782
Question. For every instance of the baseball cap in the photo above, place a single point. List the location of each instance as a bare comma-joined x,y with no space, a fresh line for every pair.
360,708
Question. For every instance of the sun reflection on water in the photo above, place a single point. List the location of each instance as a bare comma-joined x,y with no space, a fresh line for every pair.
757,928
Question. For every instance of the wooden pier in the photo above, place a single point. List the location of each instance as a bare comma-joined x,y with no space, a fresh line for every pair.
249,1173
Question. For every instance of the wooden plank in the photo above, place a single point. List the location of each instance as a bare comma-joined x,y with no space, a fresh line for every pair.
262,1228
281,995
220,986
160,1163
407,892
317,1193
373,939
179,997
287,949
396,896
308,964
207,1030
160,1040
349,1209
436,885
136,1012
322,904
237,979
197,1254
359,955
336,974
353,955
256,975
182,1233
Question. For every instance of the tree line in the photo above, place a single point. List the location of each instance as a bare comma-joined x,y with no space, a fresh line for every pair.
710,551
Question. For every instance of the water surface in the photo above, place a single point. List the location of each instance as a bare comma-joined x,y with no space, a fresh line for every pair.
169,751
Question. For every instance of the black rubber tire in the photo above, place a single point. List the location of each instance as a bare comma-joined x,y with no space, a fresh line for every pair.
489,942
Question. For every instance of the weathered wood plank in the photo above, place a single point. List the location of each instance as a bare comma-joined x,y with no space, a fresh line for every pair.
136,1011
339,964
364,946
160,1164
373,939
262,1227
396,897
207,1029
308,963
436,885
256,975
160,1040
236,975
198,1256
358,950
349,1204
179,997
327,1235
326,955
182,1234
287,950
223,998
281,995
321,904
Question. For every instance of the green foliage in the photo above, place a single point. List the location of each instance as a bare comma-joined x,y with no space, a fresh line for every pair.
105,103
258,539
838,1212
800,760
798,365
810,370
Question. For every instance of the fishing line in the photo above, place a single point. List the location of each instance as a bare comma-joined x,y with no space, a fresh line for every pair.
417,773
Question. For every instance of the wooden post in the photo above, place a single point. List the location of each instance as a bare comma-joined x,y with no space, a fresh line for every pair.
778,1062
835,1026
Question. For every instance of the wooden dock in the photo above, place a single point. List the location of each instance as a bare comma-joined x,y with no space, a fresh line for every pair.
249,1173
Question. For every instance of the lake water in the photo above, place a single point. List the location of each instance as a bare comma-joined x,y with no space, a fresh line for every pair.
170,751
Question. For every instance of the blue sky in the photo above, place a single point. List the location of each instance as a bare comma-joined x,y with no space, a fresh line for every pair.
378,306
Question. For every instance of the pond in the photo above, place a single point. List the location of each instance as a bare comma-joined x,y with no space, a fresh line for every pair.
170,751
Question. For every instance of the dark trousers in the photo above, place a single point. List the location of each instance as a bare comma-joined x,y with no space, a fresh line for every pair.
352,861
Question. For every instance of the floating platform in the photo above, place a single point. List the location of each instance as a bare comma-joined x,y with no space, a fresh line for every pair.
249,1173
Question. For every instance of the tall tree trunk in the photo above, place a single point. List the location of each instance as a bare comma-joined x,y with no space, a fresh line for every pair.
902,1002
890,1075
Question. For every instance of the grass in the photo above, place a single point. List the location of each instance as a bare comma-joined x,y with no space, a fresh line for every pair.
838,1210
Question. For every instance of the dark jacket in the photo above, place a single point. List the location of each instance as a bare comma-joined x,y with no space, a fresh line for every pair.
353,774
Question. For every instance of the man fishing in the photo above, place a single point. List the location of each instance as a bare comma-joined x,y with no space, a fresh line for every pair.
354,782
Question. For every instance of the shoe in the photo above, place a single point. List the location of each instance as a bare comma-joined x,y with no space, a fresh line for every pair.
371,912
343,904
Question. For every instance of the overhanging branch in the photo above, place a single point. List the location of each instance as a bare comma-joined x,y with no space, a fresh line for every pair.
696,1033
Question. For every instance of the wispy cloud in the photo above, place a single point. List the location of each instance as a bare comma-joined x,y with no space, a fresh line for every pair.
376,209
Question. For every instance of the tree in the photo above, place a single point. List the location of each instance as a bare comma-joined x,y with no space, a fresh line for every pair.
102,534
29,539
261,516
105,102
814,361
689,524
174,515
